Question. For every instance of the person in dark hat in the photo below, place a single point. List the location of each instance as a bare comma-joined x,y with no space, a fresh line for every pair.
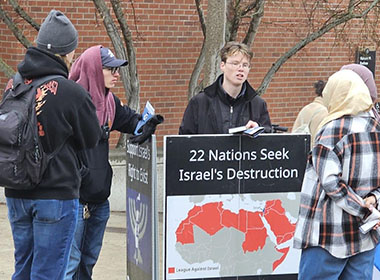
43,219
97,70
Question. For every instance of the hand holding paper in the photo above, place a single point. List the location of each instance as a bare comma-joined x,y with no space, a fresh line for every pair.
147,129
146,115
370,221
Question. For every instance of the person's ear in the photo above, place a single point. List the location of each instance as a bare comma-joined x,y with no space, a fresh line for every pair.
222,66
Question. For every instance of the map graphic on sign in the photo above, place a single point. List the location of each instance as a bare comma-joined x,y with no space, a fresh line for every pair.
227,235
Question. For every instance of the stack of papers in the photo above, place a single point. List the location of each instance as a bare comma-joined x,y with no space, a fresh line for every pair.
253,132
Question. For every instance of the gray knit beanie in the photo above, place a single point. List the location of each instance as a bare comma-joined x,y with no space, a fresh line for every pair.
57,34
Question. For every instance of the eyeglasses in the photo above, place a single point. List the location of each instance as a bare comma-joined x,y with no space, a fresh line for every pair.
113,70
236,65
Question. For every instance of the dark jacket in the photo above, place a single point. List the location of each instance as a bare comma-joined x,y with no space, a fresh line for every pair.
87,71
213,112
67,122
96,184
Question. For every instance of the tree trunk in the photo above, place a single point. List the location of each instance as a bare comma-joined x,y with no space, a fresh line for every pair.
216,24
131,90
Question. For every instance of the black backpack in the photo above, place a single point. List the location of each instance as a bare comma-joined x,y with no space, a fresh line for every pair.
22,159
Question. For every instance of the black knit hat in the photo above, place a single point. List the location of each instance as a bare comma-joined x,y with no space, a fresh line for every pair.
57,34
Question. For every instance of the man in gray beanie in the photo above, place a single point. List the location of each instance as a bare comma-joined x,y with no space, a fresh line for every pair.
57,34
43,219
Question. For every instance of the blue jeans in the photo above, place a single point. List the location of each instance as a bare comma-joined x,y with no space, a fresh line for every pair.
87,241
43,231
317,263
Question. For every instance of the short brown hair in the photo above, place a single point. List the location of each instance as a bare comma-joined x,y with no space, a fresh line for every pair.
319,86
232,48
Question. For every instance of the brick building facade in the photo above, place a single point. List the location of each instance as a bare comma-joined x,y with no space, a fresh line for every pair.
167,38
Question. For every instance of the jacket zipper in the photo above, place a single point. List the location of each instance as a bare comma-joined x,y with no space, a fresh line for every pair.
231,114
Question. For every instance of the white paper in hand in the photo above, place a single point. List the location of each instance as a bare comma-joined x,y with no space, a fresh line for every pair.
253,132
146,115
371,221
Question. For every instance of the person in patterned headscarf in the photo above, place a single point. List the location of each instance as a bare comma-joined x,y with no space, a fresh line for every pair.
342,173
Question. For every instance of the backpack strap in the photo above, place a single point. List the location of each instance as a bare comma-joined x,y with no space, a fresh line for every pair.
55,152
17,79
39,81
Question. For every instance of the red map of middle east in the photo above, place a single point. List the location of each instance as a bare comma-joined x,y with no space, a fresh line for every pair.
212,217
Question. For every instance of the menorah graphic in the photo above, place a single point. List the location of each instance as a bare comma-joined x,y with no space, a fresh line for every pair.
138,218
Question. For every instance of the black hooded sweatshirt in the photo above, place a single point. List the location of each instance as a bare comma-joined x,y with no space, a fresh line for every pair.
212,111
67,122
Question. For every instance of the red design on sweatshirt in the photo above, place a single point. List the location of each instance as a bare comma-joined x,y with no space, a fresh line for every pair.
9,85
51,86
42,92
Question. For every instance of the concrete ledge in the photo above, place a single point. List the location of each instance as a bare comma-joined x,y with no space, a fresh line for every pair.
118,190
2,197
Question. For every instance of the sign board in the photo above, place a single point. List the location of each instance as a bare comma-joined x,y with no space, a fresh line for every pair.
231,205
367,58
141,211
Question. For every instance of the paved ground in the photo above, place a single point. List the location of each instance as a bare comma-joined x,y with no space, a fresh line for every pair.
112,260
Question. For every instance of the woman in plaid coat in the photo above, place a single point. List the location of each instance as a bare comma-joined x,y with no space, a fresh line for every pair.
342,176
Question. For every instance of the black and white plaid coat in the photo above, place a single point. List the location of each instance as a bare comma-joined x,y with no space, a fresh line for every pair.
343,168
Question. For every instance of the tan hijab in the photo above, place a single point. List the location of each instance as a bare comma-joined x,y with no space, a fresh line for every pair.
366,76
368,79
345,94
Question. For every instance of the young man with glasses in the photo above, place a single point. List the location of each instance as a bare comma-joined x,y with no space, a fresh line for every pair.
230,101
97,70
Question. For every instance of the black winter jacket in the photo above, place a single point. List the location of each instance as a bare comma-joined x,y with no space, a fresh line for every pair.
210,112
67,121
96,184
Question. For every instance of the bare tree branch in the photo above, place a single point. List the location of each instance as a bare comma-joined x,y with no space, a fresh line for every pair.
201,16
133,89
21,12
254,23
116,42
250,7
138,34
129,73
194,87
234,18
311,37
134,100
15,30
6,69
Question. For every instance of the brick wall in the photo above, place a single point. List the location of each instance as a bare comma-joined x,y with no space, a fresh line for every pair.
168,39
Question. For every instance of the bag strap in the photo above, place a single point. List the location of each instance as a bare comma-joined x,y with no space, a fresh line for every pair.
35,82
55,152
